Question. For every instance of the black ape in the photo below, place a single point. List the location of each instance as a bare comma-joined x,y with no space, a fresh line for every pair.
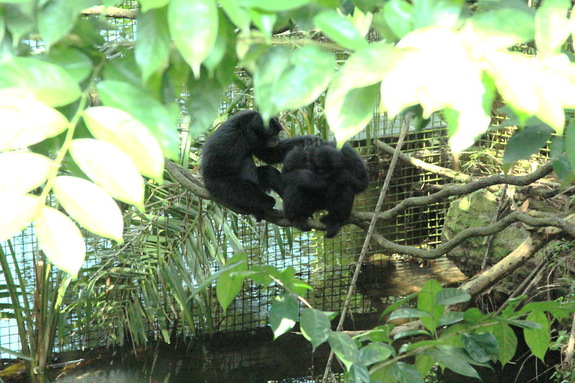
228,168
322,178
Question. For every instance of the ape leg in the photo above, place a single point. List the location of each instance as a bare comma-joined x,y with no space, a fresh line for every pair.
270,178
241,194
299,205
340,202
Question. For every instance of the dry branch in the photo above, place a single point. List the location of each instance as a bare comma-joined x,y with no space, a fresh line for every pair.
117,13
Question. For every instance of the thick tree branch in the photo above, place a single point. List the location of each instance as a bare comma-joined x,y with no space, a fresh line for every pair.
117,13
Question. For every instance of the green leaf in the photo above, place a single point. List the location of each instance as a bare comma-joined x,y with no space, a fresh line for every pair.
27,121
339,29
128,134
473,315
552,27
406,373
74,62
161,123
239,15
21,172
110,168
538,339
228,285
315,326
57,18
507,341
298,80
481,347
526,142
424,364
344,348
152,42
450,318
358,373
451,296
20,19
49,83
454,359
503,27
90,206
408,313
205,98
18,210
426,301
440,13
374,352
151,4
60,239
398,17
194,29
283,313
274,5
225,42
410,333
570,143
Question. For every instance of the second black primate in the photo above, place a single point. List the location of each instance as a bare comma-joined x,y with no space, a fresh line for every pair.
321,177
229,171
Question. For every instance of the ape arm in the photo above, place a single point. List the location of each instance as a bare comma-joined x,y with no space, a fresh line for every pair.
276,154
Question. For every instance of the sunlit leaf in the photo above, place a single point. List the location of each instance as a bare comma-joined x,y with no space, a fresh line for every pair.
60,239
128,134
373,353
358,373
451,296
239,15
90,206
150,4
57,18
21,172
538,339
17,211
152,42
507,341
454,359
274,5
110,168
194,29
398,16
283,313
439,13
339,29
77,64
26,121
315,326
552,27
230,285
49,83
156,117
344,347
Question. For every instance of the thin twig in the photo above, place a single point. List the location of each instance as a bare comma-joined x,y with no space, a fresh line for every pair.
368,236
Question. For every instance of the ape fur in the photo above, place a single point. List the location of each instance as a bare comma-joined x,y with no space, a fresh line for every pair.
229,171
321,177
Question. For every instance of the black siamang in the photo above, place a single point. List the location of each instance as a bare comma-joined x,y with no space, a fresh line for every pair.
229,171
321,177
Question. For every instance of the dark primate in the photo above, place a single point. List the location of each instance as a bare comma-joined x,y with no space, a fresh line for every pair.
321,177
229,171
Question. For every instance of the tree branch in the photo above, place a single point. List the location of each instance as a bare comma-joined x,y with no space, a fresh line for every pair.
117,13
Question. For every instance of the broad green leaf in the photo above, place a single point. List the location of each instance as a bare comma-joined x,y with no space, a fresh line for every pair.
455,359
90,206
204,101
451,296
274,5
438,13
283,314
110,168
339,29
384,374
151,4
538,339
406,373
264,21
239,15
344,348
77,64
315,326
526,142
297,82
20,19
27,121
225,42
358,373
424,363
373,353
228,285
552,27
21,172
426,301
60,240
57,18
128,134
398,16
450,318
194,29
17,211
152,42
147,110
48,83
408,313
507,341
410,333
481,347
499,28
473,315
